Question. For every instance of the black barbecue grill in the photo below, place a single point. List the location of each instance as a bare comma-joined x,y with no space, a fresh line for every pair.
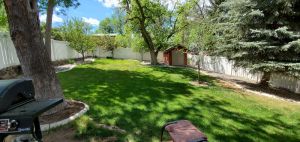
19,111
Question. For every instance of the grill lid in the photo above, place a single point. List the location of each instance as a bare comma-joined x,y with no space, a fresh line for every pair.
14,92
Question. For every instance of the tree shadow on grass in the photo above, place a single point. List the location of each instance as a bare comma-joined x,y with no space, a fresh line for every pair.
186,72
141,103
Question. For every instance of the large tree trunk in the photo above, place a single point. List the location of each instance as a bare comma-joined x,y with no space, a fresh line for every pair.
265,79
153,56
26,35
50,8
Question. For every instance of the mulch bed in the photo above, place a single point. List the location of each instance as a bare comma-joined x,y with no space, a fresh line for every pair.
71,109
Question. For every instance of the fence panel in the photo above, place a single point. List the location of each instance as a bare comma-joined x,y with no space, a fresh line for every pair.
223,66
8,55
61,51
284,81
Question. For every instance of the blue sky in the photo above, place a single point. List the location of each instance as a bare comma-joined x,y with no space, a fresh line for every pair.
91,11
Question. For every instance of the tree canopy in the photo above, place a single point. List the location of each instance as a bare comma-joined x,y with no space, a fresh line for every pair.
113,24
76,32
107,42
156,22
62,4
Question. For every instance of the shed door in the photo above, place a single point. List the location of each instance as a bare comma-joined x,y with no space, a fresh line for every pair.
177,58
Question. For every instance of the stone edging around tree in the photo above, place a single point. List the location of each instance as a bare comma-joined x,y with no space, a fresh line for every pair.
46,127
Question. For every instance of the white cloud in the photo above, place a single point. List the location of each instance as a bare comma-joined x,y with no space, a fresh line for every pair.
91,21
110,3
55,18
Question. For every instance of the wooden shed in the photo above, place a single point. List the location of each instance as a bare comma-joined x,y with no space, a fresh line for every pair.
176,56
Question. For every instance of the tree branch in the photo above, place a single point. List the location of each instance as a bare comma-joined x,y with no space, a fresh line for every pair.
133,18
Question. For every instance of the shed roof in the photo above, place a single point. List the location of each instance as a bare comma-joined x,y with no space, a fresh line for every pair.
175,47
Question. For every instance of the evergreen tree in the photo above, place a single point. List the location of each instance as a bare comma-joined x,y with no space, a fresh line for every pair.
261,35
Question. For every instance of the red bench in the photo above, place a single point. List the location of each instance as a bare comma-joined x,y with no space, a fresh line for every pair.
183,131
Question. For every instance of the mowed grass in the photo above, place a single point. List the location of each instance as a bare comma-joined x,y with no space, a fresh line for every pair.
140,99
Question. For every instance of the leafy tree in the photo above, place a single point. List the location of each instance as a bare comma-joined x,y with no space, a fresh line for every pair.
118,20
155,22
76,33
56,33
201,39
25,32
114,24
261,35
48,6
106,26
107,42
199,35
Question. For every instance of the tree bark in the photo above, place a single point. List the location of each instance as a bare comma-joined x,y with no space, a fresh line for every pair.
265,79
26,35
153,56
50,9
145,34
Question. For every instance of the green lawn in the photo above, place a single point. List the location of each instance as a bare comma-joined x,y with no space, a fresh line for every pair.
140,99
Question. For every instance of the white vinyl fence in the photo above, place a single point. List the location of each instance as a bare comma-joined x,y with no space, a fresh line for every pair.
60,51
287,82
8,55
126,53
223,66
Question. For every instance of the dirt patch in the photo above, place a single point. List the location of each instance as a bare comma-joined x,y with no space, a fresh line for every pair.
59,135
199,84
277,92
10,72
242,86
227,84
67,134
71,109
